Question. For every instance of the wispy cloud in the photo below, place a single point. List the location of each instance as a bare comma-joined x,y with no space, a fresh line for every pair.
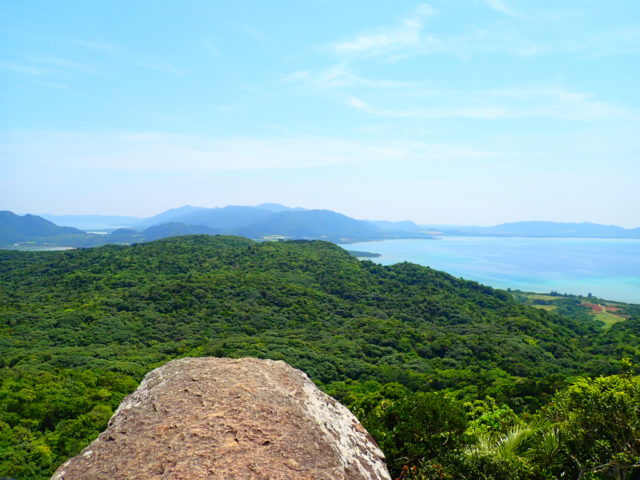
60,64
252,32
401,36
162,152
23,69
152,64
410,36
46,66
210,46
478,113
339,76
127,56
620,41
502,7
90,58
502,104
102,47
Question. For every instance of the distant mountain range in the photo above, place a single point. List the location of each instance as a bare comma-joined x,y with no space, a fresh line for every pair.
37,230
274,220
543,229
269,220
263,221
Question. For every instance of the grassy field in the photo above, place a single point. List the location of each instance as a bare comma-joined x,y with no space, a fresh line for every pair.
541,296
548,308
609,319
596,308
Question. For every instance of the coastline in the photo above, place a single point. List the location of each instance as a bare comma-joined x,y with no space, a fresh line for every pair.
606,268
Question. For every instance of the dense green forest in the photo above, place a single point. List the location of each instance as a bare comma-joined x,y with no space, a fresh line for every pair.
453,379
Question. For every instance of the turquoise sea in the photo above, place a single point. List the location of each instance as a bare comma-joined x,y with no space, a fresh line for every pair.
606,268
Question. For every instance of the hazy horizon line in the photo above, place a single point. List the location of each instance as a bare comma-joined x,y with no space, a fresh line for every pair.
420,223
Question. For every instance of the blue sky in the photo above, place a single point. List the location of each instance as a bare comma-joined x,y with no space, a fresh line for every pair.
451,111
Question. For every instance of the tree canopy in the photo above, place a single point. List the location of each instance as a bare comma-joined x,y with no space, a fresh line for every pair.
411,350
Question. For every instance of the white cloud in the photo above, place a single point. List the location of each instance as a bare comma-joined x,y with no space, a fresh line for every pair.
128,56
359,104
499,104
339,76
298,76
409,37
478,113
405,34
161,152
152,64
103,47
62,64
500,6
211,47
22,68
620,41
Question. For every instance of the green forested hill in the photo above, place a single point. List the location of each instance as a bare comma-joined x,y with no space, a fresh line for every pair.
78,329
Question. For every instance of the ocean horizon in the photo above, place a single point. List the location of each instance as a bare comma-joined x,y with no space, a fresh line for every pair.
606,268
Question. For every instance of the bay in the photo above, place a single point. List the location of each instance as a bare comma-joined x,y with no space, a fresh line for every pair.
606,268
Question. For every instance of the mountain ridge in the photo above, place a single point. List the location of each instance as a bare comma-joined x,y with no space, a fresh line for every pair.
539,228
15,228
272,221
263,221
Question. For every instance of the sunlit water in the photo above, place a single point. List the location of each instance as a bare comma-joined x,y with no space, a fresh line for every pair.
607,268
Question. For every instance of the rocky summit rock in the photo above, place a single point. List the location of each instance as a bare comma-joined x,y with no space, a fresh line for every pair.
218,418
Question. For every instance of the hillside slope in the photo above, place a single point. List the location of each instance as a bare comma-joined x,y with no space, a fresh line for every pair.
78,329
199,290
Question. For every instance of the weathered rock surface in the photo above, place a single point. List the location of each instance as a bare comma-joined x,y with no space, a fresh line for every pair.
216,418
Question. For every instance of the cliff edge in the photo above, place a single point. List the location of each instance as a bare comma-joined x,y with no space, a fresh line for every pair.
218,418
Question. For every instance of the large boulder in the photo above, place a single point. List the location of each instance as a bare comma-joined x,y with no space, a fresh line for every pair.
218,418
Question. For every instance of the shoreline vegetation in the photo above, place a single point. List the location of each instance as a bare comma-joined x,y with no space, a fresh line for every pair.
605,311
